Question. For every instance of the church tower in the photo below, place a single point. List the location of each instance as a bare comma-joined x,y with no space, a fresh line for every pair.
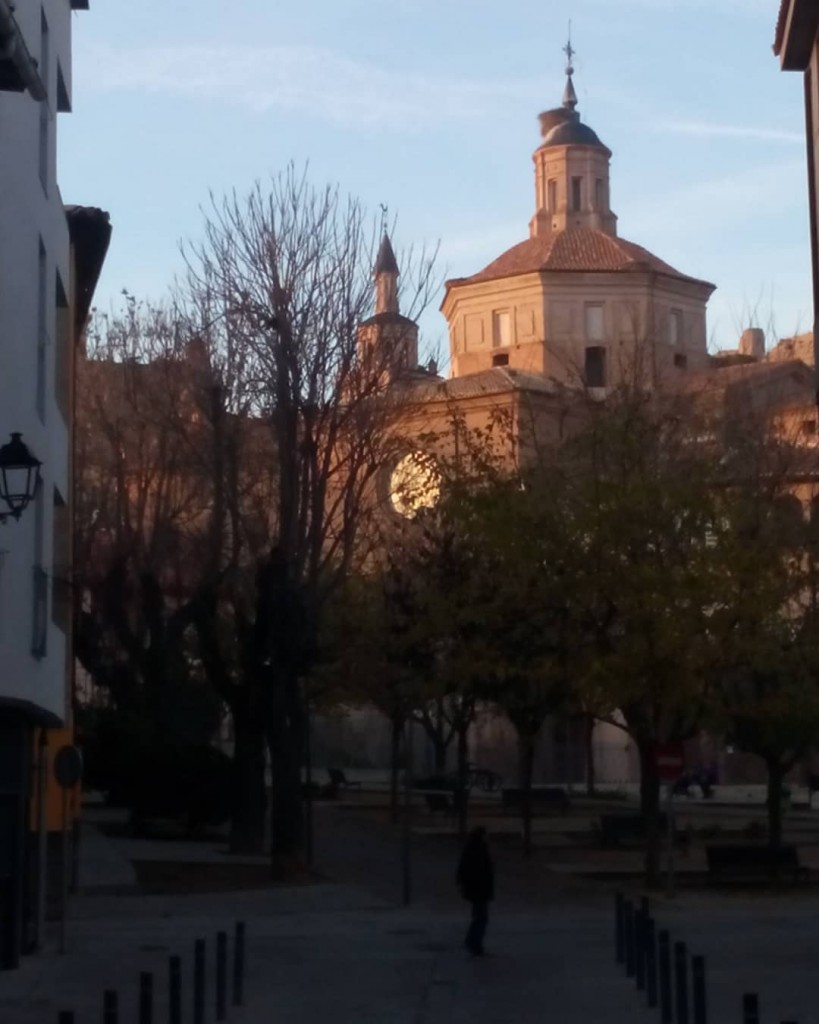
575,302
571,170
388,341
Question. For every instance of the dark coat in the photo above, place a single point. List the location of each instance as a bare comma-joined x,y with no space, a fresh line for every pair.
476,875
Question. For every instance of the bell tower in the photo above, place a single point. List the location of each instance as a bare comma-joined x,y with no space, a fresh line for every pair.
388,341
571,170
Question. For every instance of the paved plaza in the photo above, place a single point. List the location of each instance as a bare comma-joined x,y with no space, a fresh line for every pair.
343,950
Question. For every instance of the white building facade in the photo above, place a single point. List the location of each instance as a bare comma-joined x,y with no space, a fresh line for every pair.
37,338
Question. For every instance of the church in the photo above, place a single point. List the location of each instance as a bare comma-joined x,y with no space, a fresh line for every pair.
572,306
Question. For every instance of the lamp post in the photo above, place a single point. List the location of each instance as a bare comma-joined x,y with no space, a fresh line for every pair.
19,476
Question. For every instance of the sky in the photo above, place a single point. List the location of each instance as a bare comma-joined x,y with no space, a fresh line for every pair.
430,107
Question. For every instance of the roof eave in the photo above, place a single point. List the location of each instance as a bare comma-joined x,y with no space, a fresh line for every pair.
796,33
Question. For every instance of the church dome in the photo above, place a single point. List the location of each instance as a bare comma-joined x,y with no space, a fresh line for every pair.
571,132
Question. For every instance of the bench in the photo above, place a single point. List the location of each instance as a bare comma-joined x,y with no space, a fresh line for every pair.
761,863
338,779
439,802
617,828
542,798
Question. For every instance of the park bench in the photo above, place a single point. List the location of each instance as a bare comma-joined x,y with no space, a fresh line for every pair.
542,798
340,781
748,863
616,829
439,802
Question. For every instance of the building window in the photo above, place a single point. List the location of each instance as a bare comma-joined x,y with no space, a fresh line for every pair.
599,194
501,329
45,118
595,368
680,361
552,195
42,329
577,194
675,328
595,329
500,359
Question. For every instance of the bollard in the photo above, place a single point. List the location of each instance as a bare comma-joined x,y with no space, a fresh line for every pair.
146,998
639,949
174,990
221,975
110,1007
199,982
664,942
629,932
619,930
239,964
681,981
750,1008
651,962
698,999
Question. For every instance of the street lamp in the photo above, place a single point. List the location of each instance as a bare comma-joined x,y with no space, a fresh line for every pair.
19,476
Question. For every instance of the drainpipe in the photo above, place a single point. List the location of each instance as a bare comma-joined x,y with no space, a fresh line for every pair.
14,49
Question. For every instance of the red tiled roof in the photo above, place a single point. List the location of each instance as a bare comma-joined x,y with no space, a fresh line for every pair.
575,249
779,35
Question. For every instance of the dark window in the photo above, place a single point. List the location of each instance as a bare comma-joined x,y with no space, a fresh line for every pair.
501,359
552,195
595,366
577,193
599,194
680,361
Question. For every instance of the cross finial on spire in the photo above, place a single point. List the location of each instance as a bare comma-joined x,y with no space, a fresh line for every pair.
569,95
569,50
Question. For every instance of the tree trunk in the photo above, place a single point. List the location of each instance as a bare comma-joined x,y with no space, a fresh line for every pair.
439,748
286,745
527,764
463,791
650,810
776,774
397,724
249,800
588,736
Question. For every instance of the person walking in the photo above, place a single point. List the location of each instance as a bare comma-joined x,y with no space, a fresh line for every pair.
476,878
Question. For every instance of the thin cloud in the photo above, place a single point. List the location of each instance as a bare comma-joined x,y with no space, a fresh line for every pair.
710,207
300,79
705,129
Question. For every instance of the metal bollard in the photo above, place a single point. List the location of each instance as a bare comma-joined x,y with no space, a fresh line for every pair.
174,990
651,962
698,999
664,943
619,929
146,998
640,917
681,981
199,982
239,964
629,932
221,975
750,1008
110,1007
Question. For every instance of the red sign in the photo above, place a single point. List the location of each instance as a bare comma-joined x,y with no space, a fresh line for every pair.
670,761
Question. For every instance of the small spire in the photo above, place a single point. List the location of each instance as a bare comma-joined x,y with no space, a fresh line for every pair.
569,95
385,262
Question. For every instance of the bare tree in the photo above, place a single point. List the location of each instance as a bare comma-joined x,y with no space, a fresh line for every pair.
290,266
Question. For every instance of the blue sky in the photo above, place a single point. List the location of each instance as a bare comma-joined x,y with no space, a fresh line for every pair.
431,107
